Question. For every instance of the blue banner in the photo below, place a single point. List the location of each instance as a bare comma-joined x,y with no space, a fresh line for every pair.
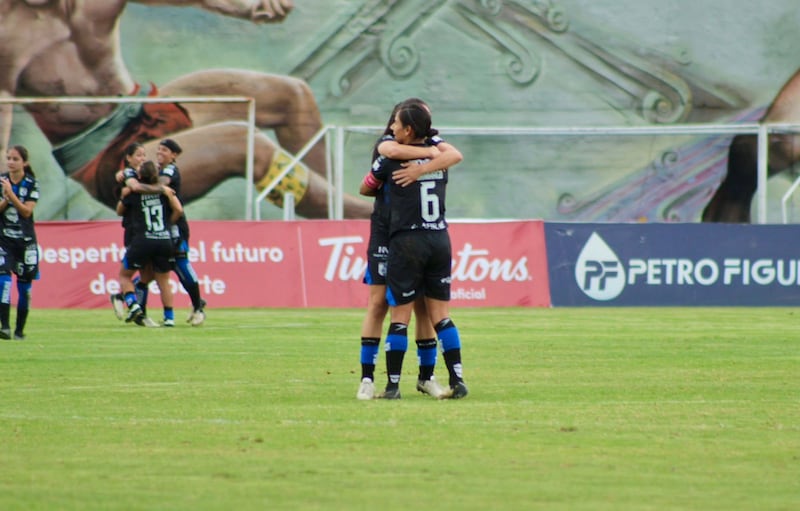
673,264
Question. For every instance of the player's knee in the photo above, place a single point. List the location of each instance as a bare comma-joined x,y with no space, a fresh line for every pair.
444,325
398,329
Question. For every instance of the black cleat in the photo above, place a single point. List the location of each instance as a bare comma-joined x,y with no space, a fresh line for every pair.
456,391
389,393
135,314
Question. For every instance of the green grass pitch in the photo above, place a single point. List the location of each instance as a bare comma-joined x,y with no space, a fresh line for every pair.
569,409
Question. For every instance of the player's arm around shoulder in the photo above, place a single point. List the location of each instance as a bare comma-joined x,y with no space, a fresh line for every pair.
397,151
448,156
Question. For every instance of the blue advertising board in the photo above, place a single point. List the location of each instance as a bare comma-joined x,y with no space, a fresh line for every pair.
673,264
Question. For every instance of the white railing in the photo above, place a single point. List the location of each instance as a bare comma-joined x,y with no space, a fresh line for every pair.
251,122
762,130
335,148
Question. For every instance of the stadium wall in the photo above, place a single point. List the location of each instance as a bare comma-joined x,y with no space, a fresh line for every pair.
672,264
495,264
291,264
514,63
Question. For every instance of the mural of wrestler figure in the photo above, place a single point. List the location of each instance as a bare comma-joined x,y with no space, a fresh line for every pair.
72,48
732,200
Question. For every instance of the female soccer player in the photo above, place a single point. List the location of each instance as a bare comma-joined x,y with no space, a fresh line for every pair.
18,248
419,255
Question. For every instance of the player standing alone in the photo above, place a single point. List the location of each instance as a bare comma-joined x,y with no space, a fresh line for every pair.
19,253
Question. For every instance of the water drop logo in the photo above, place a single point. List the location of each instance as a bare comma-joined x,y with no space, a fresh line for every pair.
598,271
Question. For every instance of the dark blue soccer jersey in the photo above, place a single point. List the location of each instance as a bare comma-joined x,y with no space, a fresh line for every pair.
418,206
13,224
171,171
148,215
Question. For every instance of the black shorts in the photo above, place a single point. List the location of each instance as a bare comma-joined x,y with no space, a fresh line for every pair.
20,257
419,265
377,254
143,251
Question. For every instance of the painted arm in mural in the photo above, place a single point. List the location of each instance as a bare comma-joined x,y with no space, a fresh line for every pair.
254,10
732,200
59,48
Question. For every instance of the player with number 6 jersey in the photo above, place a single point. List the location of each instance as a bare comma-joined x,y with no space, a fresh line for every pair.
420,254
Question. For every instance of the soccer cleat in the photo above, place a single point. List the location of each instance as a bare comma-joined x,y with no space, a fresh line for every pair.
456,391
169,322
431,387
135,314
147,322
366,390
390,393
19,336
5,333
195,311
198,317
118,304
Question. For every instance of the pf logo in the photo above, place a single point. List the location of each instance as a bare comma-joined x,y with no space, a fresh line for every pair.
598,271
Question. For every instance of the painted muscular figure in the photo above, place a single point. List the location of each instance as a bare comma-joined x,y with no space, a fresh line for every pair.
72,48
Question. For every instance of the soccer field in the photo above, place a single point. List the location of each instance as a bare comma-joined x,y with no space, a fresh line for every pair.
569,409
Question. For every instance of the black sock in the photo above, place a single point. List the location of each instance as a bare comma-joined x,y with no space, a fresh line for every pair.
453,360
5,312
396,344
22,318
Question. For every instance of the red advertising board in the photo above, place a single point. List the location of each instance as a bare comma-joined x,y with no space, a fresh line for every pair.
307,263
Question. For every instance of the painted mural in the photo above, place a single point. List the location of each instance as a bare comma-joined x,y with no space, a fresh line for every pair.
482,65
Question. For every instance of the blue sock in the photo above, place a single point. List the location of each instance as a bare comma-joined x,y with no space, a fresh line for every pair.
396,347
5,289
23,305
451,349
141,292
369,356
426,356
369,350
448,334
24,290
5,301
130,299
